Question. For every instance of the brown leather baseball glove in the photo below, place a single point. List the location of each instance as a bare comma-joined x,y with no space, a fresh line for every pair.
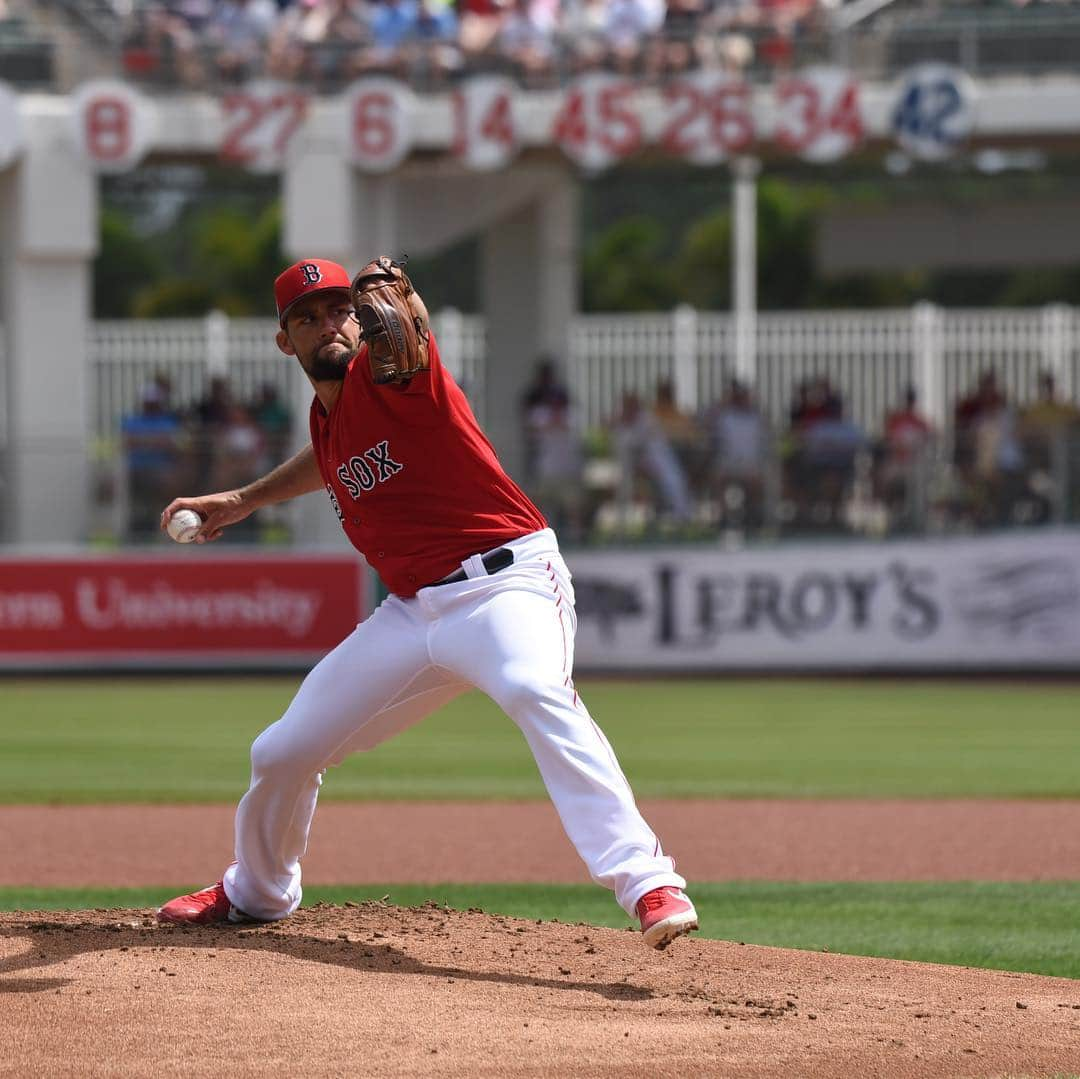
393,321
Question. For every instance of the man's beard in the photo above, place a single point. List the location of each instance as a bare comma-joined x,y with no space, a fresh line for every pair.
329,368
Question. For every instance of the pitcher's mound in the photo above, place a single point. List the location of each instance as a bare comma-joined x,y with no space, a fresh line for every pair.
370,989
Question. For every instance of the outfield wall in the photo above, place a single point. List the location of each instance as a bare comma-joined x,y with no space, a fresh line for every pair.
194,610
987,603
974,603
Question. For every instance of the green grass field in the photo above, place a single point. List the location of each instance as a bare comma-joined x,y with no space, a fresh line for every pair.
163,740
187,740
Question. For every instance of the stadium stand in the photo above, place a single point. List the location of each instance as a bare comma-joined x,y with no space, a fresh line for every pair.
26,54
325,43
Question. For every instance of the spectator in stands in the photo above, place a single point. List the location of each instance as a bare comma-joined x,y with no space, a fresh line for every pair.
814,400
214,407
553,451
581,34
716,47
437,50
676,46
153,440
238,456
986,422
526,39
643,448
546,391
208,417
739,442
906,446
679,426
629,26
274,421
238,32
987,451
682,431
478,25
320,40
239,450
1046,423
781,23
829,447
410,36
557,465
983,401
172,31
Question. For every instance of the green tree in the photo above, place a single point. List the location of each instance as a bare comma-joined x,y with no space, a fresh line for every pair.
785,234
628,268
125,262
705,261
223,259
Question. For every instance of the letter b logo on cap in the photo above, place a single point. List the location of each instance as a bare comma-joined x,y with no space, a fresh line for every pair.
312,273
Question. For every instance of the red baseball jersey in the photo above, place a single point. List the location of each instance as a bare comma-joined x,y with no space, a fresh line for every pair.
415,482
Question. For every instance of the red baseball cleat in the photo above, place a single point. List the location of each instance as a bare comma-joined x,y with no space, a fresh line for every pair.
665,913
201,908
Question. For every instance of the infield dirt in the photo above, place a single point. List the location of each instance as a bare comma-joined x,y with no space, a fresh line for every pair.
368,989
376,990
488,842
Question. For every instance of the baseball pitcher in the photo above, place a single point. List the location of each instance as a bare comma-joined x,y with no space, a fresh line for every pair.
479,596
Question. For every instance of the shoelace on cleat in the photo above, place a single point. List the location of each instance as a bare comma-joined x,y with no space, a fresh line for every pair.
653,900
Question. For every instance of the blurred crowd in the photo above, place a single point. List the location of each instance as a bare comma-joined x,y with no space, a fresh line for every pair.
658,470
654,470
326,43
217,444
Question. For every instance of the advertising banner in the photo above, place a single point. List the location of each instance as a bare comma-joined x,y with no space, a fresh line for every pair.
177,611
979,603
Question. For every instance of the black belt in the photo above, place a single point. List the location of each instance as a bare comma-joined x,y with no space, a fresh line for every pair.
493,561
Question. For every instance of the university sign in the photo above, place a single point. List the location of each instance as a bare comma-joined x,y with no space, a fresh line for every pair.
177,611
972,603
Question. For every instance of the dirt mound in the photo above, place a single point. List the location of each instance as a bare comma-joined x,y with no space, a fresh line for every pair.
373,989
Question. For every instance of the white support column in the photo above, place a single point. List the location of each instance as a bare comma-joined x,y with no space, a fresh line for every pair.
447,328
48,216
744,171
928,362
319,205
685,367
559,210
530,295
217,344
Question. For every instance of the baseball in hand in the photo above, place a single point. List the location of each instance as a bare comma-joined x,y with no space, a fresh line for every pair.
184,526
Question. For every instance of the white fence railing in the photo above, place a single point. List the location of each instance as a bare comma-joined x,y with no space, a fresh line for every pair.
869,356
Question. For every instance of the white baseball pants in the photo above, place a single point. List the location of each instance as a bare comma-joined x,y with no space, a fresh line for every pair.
510,634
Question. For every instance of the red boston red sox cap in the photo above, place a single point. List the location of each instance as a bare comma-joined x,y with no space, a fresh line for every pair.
305,277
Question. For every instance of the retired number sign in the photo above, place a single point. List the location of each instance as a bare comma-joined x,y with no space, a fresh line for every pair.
377,112
598,124
818,114
485,128
934,111
260,121
112,125
598,120
707,117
